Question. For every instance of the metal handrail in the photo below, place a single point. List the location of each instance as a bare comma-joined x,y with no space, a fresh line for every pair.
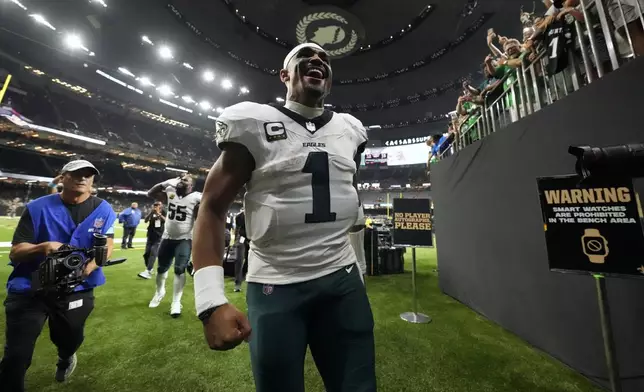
531,89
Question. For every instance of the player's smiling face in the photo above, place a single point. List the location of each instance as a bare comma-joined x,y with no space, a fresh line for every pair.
309,76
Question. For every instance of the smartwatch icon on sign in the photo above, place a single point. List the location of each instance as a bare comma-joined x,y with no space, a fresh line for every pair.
595,246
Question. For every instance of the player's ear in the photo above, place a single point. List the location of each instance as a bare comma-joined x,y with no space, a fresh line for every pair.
284,76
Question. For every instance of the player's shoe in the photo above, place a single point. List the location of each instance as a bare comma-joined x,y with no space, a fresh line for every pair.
237,288
156,300
175,309
65,368
145,274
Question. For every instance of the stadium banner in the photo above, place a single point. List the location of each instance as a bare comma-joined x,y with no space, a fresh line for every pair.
592,227
410,154
412,223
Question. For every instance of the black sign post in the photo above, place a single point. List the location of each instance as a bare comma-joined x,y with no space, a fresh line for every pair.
594,228
413,228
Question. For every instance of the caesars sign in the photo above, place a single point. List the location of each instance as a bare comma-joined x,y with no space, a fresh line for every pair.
594,227
412,223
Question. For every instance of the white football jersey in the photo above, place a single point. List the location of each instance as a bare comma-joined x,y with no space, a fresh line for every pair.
300,201
179,219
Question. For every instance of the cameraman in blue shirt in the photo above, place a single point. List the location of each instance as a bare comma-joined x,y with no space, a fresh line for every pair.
70,217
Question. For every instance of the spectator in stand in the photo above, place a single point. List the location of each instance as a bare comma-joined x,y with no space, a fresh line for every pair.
156,223
130,217
633,22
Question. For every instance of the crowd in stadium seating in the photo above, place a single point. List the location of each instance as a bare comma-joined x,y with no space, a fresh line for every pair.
500,65
122,126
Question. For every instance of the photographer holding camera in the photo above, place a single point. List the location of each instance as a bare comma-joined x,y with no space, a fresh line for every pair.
71,217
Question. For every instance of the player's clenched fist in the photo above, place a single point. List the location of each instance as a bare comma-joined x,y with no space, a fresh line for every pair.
226,328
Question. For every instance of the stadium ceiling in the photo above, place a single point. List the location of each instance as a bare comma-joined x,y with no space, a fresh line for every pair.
397,61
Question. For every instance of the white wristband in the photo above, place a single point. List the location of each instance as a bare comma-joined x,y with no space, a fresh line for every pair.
209,288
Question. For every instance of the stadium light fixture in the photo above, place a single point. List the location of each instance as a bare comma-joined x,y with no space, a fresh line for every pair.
74,41
174,169
187,99
165,52
226,84
147,40
101,2
205,105
145,81
92,54
41,20
19,4
244,90
187,65
165,90
279,99
126,71
208,76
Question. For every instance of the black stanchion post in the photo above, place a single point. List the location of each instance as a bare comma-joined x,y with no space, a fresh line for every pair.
414,316
607,333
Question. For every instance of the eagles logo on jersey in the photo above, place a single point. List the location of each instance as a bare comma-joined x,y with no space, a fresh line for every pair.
300,201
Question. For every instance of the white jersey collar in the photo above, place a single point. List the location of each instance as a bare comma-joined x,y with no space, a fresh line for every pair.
304,111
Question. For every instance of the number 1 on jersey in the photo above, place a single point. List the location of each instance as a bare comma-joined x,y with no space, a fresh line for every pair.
554,44
317,164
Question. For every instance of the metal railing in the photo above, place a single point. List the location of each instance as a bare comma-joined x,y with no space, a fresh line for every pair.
529,88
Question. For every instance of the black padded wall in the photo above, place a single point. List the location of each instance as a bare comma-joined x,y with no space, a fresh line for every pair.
492,253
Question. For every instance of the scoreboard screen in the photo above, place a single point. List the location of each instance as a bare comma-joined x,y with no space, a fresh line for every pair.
379,159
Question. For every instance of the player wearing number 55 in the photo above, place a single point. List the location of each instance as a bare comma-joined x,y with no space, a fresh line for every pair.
176,240
299,164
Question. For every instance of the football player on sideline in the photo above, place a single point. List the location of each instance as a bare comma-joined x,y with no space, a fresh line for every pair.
176,240
356,236
299,164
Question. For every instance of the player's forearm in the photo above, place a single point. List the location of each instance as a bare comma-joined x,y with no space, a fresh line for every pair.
209,237
25,251
156,191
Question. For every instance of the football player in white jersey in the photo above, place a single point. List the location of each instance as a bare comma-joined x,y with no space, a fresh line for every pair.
176,241
356,236
299,164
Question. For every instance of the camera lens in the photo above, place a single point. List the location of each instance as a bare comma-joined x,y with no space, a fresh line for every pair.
73,261
100,240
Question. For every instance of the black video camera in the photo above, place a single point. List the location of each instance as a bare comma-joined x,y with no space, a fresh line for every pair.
626,161
62,270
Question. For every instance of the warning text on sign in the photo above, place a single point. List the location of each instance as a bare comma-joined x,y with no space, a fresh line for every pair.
611,211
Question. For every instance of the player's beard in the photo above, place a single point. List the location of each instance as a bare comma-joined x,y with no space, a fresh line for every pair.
182,191
316,90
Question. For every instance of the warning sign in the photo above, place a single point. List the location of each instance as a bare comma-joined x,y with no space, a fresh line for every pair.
595,227
412,223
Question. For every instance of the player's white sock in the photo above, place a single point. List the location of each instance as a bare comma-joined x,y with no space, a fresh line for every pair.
179,283
161,282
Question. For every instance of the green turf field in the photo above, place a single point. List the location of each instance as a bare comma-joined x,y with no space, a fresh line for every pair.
131,348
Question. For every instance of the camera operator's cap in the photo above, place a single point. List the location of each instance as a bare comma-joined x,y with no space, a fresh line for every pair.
79,164
299,47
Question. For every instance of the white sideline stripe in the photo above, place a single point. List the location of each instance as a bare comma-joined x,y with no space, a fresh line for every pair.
116,242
